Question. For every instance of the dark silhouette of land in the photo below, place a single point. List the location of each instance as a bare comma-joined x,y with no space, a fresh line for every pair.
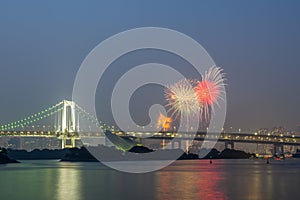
37,154
78,155
234,154
297,154
215,154
4,159
84,155
140,149
112,154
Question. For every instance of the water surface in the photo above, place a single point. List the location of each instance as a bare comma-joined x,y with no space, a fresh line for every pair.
190,179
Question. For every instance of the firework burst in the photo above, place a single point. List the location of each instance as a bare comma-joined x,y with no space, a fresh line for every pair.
164,122
182,98
190,97
210,90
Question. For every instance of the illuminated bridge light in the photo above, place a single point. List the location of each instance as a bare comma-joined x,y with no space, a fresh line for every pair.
11,129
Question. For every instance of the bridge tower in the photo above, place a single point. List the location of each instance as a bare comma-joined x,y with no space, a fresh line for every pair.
68,128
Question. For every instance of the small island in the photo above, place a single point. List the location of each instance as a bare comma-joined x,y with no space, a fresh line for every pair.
4,159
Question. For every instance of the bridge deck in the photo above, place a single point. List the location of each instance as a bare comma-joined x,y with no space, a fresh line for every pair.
200,136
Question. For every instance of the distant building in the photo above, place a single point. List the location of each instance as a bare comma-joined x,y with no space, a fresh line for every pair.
273,131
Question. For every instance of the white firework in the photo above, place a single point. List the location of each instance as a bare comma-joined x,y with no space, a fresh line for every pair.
182,98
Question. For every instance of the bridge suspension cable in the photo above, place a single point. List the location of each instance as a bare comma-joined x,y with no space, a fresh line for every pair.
92,118
33,118
55,112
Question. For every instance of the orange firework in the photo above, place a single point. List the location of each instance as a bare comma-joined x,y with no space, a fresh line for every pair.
164,122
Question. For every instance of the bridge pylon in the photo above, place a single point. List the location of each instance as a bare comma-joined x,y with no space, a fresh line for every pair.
68,129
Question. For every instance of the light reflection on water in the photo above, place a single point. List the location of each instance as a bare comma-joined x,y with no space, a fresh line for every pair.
224,179
68,183
191,182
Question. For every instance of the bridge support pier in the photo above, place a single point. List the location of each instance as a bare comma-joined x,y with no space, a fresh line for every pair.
187,145
66,144
179,144
163,143
227,143
278,148
173,144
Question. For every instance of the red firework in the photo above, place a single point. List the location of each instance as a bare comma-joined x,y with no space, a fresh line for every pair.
210,90
207,92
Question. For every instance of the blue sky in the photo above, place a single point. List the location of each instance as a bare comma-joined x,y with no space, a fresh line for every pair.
42,45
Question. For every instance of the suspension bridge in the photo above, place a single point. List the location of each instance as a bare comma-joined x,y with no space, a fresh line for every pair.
64,122
65,117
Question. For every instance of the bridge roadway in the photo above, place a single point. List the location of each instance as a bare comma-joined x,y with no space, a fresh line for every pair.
281,139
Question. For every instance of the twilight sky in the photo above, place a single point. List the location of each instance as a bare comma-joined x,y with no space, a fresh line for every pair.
42,45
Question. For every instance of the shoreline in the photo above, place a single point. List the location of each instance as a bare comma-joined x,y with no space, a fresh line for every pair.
83,155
